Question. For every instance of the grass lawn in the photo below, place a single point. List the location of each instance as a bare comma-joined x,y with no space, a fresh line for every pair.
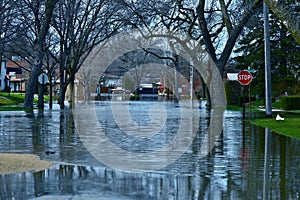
14,101
11,99
289,127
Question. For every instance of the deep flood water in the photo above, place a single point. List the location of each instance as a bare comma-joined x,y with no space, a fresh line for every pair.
246,162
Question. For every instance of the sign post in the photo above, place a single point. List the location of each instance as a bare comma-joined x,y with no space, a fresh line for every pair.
43,80
244,78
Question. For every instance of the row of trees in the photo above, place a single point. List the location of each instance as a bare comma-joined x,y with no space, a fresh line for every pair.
55,34
61,33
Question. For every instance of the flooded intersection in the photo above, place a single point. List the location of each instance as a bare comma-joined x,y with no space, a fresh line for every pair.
241,164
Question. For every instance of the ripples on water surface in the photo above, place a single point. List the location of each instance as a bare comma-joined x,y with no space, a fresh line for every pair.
235,169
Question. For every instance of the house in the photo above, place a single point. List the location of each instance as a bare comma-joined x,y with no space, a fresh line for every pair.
15,75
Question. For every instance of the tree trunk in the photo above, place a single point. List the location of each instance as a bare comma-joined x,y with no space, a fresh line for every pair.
203,94
62,94
31,84
38,54
62,84
50,91
87,93
71,93
204,29
233,33
41,96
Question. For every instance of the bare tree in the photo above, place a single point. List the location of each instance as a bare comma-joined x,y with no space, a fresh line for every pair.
40,13
12,42
81,25
215,24
5,22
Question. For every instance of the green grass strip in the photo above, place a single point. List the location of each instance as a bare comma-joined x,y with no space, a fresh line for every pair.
11,99
14,108
289,127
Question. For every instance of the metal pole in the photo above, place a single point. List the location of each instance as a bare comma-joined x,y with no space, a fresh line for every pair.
41,93
249,101
192,82
244,101
176,96
268,88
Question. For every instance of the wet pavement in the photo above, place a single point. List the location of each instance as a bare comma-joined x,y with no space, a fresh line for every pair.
247,162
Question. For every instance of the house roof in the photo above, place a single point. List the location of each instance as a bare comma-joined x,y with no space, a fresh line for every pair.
15,64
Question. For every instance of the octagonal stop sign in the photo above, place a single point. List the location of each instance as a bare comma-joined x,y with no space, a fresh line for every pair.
244,77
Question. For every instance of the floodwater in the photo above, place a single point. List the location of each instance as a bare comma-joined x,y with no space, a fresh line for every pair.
247,162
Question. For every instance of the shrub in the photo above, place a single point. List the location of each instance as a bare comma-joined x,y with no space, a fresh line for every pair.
290,102
134,97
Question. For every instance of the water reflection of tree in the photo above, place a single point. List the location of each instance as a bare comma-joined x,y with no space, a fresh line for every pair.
67,136
54,136
41,131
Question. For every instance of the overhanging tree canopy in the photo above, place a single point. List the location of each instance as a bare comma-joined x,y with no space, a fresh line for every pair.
288,13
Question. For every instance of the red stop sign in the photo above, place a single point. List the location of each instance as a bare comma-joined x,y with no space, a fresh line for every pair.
244,77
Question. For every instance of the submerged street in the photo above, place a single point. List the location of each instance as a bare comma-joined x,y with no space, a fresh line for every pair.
246,161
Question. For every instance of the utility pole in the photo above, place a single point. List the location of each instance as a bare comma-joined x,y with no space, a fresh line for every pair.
268,87
176,79
192,81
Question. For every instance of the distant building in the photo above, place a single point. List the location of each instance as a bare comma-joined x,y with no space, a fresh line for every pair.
15,75
109,82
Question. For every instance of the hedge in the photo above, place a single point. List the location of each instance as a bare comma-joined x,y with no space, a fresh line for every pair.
290,102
